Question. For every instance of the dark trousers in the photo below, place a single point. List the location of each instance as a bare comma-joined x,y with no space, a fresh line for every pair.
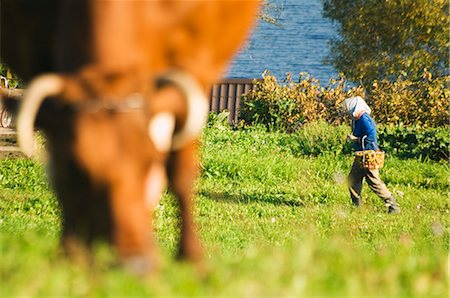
355,182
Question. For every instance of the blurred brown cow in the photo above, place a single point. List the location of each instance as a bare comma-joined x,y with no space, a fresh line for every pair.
118,87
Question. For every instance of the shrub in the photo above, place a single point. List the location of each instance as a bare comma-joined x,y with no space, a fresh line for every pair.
271,104
415,141
286,107
424,102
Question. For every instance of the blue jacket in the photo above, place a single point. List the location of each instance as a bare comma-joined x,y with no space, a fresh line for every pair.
365,126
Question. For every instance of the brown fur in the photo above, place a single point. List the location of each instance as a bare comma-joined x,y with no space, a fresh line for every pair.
108,50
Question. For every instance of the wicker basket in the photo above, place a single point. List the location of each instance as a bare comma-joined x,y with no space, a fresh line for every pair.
370,159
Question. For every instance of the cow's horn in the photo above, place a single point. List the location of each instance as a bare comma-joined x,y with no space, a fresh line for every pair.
197,107
160,129
40,88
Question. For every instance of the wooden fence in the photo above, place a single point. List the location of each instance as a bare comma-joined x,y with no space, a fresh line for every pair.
226,95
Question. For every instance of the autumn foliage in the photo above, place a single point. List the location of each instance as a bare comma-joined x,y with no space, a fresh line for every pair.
289,105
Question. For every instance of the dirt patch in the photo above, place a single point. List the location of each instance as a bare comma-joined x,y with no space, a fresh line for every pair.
8,144
11,154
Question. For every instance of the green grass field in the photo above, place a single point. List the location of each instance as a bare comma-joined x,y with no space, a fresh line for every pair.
273,223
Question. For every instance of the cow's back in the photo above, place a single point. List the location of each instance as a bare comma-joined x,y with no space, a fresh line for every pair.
122,36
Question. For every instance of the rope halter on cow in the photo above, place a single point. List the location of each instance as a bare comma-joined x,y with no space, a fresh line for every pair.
161,127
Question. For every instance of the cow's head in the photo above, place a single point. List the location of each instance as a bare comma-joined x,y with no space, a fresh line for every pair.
109,153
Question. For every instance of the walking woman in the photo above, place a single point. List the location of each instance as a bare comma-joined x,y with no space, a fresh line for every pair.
364,137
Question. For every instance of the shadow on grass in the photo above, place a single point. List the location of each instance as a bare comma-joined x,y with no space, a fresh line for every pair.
277,199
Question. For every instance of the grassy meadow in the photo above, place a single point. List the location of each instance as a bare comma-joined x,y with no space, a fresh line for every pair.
274,223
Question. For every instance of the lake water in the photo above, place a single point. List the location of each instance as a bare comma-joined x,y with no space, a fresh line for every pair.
299,45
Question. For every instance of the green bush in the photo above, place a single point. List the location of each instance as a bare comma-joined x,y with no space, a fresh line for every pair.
272,105
415,142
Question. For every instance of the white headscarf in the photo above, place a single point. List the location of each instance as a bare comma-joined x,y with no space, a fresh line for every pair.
354,105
